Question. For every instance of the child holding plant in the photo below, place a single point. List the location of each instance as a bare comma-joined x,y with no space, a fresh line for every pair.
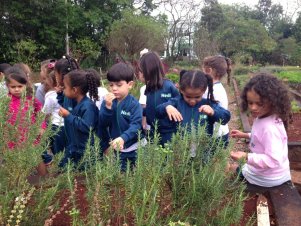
217,67
122,114
190,106
22,104
158,91
82,119
267,163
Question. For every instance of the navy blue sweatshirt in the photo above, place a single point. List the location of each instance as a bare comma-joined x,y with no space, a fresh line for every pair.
124,119
78,124
190,114
154,99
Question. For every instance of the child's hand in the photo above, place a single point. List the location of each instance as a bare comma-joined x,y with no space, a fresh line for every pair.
206,109
117,143
173,113
236,155
63,112
109,100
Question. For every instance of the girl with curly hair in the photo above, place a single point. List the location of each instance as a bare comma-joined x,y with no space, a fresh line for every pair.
267,163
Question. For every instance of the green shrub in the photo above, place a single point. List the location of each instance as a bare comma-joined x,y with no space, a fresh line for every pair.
165,186
290,76
240,70
173,77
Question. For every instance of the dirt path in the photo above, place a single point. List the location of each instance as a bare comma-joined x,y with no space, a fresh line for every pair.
235,122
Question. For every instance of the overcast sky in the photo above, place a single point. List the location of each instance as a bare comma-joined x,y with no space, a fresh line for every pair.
289,6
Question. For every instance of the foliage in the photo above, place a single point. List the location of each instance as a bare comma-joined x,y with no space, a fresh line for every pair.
242,80
133,33
290,76
173,77
165,186
295,107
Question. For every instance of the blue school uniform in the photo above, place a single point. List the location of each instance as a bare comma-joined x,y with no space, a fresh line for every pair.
154,99
123,120
82,120
190,114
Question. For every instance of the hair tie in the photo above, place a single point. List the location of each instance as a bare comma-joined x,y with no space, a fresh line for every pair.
51,65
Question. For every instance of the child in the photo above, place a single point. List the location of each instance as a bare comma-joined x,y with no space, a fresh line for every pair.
217,67
84,116
158,90
122,113
18,87
46,67
51,109
3,88
267,164
191,106
25,68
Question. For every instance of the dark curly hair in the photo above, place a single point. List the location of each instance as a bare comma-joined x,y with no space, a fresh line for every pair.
86,81
271,90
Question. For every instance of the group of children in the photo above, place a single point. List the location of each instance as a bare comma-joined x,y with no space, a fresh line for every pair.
69,96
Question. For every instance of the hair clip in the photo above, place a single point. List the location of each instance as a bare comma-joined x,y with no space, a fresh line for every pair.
51,65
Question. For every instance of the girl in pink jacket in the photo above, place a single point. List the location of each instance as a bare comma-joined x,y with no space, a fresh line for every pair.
267,163
21,104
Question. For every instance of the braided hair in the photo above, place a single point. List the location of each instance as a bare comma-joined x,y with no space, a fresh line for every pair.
65,65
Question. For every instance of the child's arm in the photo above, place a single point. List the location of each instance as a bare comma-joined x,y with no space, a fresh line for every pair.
216,113
169,109
106,111
85,122
134,127
239,134
173,113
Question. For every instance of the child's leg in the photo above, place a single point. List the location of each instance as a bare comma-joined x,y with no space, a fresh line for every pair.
59,140
127,157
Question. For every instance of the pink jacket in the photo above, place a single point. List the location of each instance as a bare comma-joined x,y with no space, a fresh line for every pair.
268,145
18,111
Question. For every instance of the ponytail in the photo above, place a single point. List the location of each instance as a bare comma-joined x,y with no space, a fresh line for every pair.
210,95
92,86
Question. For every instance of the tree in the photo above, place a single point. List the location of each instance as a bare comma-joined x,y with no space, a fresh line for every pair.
182,15
212,16
203,44
135,32
243,36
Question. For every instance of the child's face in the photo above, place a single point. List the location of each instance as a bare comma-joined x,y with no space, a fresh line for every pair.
70,92
140,77
43,75
48,84
192,96
120,89
256,106
15,88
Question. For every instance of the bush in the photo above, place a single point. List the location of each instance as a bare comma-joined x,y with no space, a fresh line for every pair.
165,186
290,76
173,77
